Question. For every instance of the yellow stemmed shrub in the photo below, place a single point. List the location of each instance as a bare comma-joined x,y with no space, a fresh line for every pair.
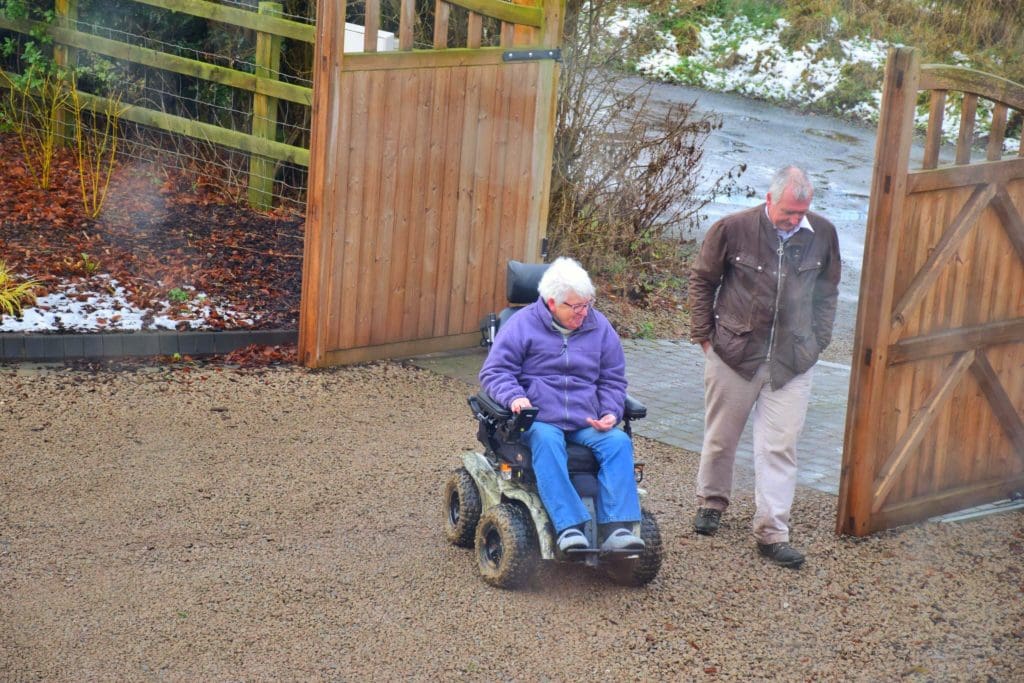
13,294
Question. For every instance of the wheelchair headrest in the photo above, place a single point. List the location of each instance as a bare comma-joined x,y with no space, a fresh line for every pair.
521,281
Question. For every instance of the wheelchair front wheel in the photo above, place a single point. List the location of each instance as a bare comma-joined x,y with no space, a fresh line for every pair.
506,546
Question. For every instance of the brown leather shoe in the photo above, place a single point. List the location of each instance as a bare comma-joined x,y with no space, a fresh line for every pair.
707,520
782,554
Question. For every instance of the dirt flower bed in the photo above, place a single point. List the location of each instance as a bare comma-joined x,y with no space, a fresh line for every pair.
163,236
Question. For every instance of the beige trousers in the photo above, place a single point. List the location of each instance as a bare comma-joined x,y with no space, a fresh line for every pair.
778,420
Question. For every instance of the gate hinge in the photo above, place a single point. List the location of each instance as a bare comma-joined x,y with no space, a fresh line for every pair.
531,55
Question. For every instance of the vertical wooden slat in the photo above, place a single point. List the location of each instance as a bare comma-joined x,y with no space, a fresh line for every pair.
416,211
915,382
544,130
466,205
508,34
527,241
515,178
406,24
498,175
372,28
528,35
442,12
337,244
474,30
451,200
888,189
330,28
966,137
933,135
435,178
358,90
377,279
543,149
483,193
373,163
404,261
997,133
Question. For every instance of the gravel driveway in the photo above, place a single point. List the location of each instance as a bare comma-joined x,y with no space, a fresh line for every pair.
215,524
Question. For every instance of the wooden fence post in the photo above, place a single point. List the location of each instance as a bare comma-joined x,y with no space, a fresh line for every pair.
66,59
264,112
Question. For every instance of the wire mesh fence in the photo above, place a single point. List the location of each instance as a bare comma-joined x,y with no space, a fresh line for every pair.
186,75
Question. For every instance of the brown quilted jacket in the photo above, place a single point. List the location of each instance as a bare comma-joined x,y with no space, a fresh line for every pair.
756,302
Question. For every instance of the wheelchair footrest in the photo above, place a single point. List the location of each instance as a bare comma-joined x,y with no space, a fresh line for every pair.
625,553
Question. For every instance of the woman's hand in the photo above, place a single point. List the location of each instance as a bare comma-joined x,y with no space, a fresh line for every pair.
604,424
519,404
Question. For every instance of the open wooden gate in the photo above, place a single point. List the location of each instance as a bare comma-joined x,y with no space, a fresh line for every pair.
937,387
429,169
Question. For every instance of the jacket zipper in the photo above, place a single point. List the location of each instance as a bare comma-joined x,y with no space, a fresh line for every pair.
778,295
565,378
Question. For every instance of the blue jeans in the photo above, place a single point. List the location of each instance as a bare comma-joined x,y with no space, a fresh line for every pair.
617,497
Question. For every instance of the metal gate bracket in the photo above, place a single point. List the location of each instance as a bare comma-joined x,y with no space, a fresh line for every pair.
531,55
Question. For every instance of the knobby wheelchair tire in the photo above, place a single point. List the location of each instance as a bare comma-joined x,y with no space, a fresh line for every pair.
461,508
506,546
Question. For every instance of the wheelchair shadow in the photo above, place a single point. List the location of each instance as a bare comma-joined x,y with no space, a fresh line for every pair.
575,580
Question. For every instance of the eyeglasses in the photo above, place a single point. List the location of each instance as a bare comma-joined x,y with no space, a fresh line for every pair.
579,308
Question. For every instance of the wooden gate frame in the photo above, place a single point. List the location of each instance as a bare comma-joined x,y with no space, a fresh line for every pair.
913,382
419,196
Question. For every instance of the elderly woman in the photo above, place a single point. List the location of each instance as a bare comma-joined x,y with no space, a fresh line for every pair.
563,357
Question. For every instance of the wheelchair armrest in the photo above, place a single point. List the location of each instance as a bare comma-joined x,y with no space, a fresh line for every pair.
506,424
634,409
486,405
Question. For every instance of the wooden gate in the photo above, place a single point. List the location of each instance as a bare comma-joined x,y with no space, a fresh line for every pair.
429,169
937,387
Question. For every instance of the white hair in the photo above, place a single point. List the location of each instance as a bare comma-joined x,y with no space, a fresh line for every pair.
563,277
794,178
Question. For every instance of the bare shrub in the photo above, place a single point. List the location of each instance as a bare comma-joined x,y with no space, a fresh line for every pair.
625,187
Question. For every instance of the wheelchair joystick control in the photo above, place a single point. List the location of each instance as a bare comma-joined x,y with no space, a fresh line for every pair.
524,420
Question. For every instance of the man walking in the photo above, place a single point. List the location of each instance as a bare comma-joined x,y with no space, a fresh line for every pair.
762,302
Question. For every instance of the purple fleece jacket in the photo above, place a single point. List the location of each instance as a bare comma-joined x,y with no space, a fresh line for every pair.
568,378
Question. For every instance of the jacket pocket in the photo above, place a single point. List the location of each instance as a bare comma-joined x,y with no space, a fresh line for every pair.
805,352
731,338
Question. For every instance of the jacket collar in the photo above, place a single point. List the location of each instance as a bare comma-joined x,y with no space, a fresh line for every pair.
804,223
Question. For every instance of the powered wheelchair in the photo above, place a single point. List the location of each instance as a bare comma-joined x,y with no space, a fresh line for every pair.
491,502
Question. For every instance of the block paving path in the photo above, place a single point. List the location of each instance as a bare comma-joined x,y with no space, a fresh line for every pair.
668,377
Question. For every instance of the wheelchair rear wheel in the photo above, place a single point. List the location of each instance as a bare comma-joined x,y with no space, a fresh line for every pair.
506,546
461,508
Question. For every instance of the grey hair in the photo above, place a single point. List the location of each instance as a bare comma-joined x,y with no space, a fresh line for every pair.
794,178
565,276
